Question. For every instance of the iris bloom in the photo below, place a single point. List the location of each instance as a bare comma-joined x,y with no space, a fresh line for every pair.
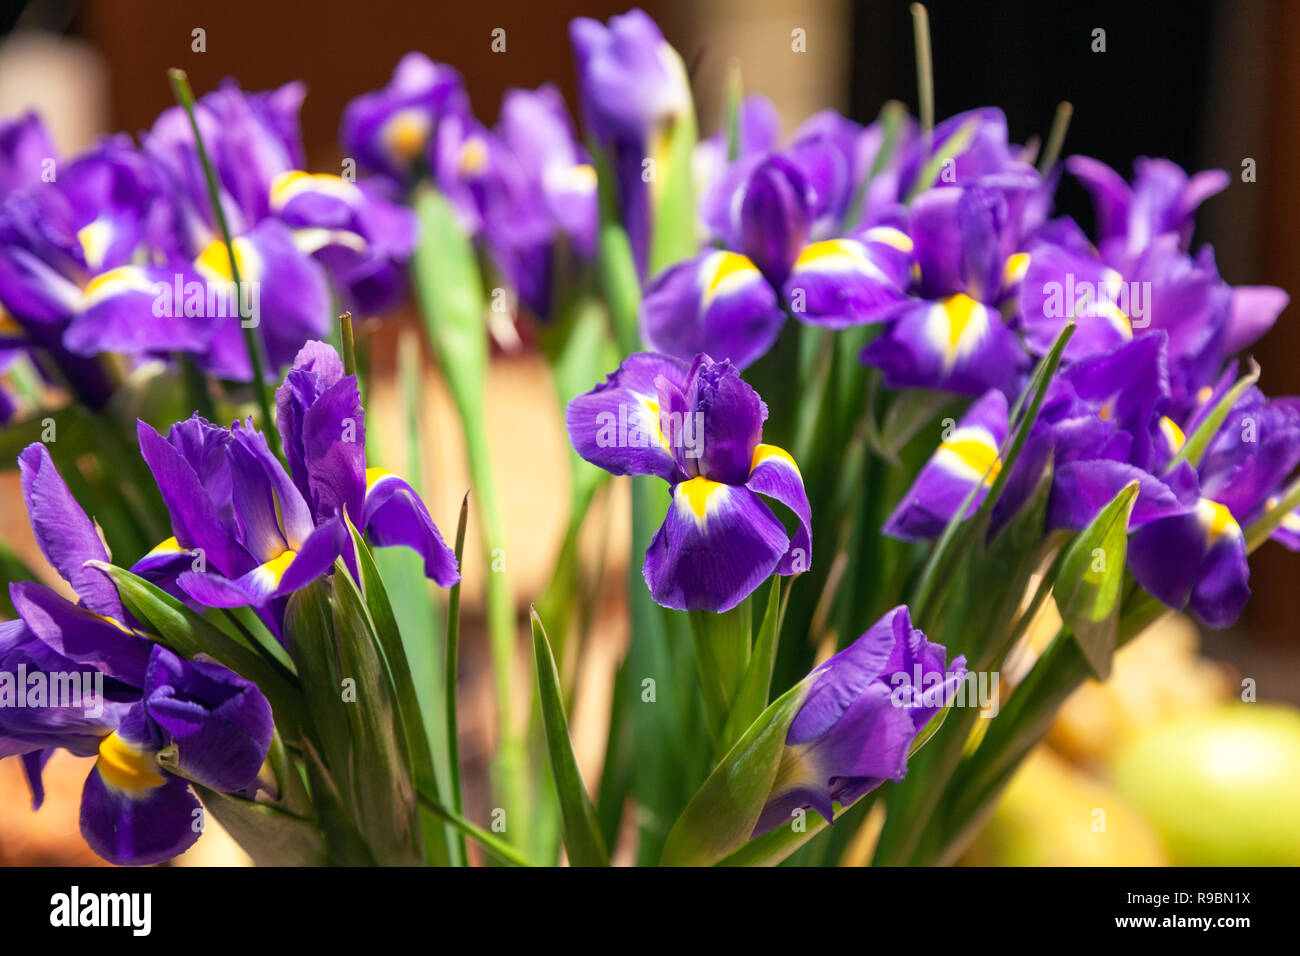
699,427
80,257
262,532
862,711
161,721
293,232
633,88
388,130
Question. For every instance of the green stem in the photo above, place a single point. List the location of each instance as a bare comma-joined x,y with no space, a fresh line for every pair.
185,96
1056,138
722,648
349,344
924,71
449,674
498,848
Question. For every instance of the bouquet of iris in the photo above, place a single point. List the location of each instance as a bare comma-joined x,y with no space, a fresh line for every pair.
879,333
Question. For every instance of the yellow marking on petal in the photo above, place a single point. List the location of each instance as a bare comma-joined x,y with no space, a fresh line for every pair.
277,566
125,767
974,449
1173,434
373,475
764,453
405,133
1203,394
473,156
214,261
652,410
168,546
818,252
729,270
116,623
695,495
289,185
1215,519
955,324
889,236
1107,409
1015,268
116,282
95,238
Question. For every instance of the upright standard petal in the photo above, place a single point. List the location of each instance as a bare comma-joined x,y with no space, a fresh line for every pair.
67,537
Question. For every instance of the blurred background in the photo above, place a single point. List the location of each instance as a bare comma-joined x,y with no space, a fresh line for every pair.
1205,83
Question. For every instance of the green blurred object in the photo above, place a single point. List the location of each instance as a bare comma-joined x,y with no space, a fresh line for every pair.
1223,787
1052,814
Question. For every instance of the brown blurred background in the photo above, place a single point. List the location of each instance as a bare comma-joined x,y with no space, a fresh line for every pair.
1205,83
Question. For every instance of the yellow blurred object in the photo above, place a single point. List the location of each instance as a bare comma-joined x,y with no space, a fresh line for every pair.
1054,815
1222,788
1158,676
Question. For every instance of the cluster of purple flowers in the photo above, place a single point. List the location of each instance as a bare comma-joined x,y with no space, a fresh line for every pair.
247,533
118,249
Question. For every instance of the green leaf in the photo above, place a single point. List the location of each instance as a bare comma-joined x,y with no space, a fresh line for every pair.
722,814
1091,577
1198,442
619,282
448,287
674,236
182,631
269,835
309,631
581,834
960,532
954,146
451,670
1275,513
751,698
382,789
12,570
408,705
722,654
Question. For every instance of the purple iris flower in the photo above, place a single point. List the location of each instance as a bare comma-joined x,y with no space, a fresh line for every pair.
633,89
1162,289
952,336
979,145
968,458
293,232
546,233
388,130
80,266
262,532
25,148
863,709
1197,558
94,685
760,132
1162,199
699,427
